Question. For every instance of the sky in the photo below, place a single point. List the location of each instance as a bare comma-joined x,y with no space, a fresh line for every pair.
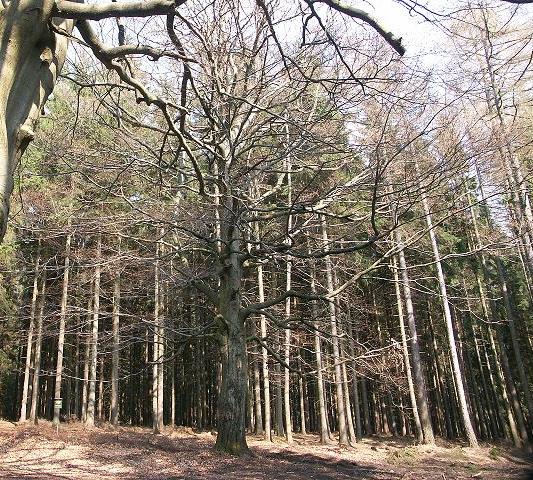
417,34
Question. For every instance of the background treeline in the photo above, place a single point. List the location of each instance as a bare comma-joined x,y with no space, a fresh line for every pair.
357,256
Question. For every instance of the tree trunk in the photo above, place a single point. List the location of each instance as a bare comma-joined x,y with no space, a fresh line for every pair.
116,353
61,338
465,413
91,396
322,419
406,360
35,293
418,364
231,407
31,57
341,411
38,348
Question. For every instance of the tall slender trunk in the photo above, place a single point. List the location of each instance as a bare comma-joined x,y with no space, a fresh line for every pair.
301,392
91,396
29,344
288,279
355,381
115,359
258,428
464,409
405,350
341,409
418,364
264,354
515,344
61,338
287,352
322,418
158,348
38,349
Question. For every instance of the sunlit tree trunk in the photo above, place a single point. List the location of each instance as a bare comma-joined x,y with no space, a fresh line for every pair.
116,352
322,418
341,408
29,343
405,350
418,364
38,349
93,363
463,405
61,337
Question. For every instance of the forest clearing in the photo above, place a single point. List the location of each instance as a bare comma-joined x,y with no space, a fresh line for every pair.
266,239
109,453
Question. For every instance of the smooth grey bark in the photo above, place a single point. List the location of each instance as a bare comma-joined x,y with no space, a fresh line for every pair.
93,362
31,57
29,343
62,325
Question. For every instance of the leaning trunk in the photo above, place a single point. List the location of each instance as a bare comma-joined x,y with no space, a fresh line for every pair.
31,56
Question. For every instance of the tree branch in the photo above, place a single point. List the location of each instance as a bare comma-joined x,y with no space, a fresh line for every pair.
99,11
394,41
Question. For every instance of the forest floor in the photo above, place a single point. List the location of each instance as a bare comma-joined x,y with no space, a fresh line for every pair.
39,452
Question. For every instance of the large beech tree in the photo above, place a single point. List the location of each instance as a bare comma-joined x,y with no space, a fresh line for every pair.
34,36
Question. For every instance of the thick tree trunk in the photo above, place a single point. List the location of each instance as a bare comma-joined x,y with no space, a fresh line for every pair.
31,56
231,407
61,338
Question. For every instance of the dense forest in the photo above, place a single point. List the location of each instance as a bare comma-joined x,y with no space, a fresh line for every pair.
269,218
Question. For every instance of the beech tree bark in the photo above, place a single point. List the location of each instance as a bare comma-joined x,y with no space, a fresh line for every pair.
231,407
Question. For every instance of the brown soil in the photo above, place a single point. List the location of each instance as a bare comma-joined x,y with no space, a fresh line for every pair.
38,452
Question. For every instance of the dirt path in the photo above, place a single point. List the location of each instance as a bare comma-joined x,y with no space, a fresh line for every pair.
29,452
